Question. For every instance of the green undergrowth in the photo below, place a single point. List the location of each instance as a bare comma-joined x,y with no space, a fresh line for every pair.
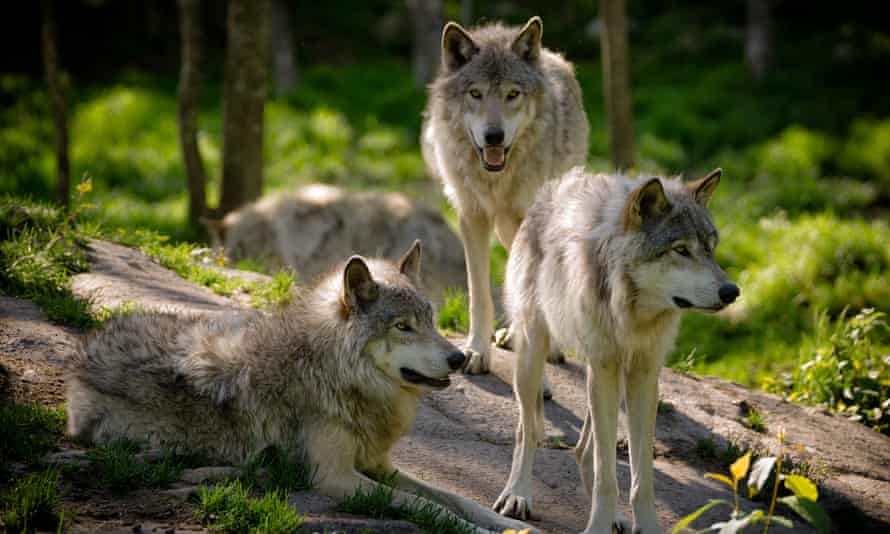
454,314
230,507
378,503
844,367
29,431
32,504
120,469
271,469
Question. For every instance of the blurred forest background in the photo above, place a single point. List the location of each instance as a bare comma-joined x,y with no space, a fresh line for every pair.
790,98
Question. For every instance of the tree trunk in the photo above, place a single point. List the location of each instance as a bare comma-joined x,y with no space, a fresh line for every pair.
244,96
758,37
283,49
616,83
56,87
188,99
466,12
427,18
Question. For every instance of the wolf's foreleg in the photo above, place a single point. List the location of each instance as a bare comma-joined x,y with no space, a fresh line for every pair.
463,507
641,397
516,500
475,230
602,404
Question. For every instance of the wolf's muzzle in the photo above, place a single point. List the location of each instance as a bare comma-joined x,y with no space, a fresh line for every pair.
728,292
456,360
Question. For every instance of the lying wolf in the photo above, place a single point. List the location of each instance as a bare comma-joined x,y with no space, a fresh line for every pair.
334,381
503,116
604,265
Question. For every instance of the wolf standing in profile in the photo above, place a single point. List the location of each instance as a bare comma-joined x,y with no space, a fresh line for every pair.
604,265
333,381
503,116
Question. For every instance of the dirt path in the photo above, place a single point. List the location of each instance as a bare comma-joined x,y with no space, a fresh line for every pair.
463,437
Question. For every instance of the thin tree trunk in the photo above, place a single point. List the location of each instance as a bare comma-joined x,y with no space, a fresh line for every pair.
616,83
244,96
56,87
758,37
283,49
189,96
466,12
427,18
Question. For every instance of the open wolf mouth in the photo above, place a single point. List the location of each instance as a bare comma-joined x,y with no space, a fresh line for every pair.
494,157
416,378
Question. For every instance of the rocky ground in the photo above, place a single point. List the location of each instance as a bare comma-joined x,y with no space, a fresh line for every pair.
463,437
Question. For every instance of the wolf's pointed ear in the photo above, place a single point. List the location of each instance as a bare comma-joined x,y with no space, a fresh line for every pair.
646,202
527,44
358,286
703,188
458,47
409,265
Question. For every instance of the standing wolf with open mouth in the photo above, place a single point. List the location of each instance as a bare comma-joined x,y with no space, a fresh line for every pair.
604,265
504,116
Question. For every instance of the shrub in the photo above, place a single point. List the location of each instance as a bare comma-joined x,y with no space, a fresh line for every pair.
844,367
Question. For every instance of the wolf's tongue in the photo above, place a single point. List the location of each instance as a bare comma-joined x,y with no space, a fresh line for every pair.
493,155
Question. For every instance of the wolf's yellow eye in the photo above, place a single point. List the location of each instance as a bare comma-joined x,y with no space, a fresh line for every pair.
682,250
513,95
476,93
403,326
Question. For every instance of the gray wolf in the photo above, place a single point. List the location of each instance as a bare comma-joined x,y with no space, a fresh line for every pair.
334,381
504,115
302,229
604,265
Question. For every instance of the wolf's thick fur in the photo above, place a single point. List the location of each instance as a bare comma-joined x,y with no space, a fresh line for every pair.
603,265
334,381
503,116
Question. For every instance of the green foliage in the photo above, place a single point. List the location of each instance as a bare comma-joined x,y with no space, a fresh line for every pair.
26,137
867,151
230,508
844,367
29,431
41,249
32,504
753,419
121,470
278,472
278,292
454,314
802,501
377,502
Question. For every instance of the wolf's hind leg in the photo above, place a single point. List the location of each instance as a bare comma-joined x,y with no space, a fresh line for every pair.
516,500
475,231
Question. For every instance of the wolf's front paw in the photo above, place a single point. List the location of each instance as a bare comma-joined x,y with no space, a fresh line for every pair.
622,525
503,338
477,362
512,505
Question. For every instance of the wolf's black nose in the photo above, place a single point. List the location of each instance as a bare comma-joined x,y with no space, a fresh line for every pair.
456,360
728,293
494,136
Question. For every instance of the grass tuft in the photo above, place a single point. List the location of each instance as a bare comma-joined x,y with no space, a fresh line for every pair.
277,472
33,503
29,431
454,315
230,508
121,470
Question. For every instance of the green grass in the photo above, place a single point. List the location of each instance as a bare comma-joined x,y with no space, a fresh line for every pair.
40,249
32,504
229,507
273,470
29,431
454,315
753,418
120,470
377,503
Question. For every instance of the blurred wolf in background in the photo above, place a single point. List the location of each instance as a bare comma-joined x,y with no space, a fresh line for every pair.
504,115
603,265
333,381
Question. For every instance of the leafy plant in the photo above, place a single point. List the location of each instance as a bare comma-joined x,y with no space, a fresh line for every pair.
844,368
802,500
